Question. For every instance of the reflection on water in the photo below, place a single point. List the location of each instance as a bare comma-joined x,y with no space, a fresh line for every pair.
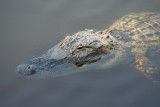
30,27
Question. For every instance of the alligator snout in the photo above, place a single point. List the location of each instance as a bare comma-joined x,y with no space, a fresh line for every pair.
26,69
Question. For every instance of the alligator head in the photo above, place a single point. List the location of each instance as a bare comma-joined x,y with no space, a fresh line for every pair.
82,48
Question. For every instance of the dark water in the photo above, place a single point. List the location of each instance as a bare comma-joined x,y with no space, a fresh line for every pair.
29,27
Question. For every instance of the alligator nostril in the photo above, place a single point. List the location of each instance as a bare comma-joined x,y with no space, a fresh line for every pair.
29,67
26,69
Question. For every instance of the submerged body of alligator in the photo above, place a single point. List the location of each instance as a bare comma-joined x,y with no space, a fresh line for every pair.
135,36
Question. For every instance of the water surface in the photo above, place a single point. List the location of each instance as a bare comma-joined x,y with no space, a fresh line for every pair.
29,27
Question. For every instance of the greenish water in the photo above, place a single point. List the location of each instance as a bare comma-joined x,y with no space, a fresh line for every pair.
29,27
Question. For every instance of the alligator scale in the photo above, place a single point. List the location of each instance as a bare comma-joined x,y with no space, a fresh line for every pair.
135,37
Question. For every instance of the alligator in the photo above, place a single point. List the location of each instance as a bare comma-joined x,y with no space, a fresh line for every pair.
134,37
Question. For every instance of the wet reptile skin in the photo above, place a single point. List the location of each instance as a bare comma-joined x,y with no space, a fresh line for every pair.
141,34
137,34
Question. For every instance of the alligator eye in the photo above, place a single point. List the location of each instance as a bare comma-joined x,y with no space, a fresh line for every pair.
79,47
